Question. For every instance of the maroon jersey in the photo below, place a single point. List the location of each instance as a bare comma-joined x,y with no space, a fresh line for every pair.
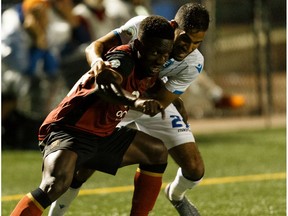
83,109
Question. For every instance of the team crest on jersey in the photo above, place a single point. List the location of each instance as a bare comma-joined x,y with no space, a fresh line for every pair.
130,31
168,63
115,63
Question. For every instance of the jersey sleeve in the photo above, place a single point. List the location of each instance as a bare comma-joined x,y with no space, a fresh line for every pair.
121,61
128,32
179,76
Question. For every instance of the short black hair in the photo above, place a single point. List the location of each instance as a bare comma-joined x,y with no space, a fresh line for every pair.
192,17
155,26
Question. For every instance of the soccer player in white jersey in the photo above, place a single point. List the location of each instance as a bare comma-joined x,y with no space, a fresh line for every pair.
190,23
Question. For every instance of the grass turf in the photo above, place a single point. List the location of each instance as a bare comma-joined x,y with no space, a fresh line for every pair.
248,154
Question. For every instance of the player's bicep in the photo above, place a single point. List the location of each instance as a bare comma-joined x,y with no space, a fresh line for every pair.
109,41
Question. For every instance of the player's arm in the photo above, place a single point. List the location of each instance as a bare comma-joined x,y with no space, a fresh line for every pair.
109,89
123,35
97,48
160,93
166,97
179,104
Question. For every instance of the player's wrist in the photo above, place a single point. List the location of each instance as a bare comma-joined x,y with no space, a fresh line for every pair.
95,61
133,103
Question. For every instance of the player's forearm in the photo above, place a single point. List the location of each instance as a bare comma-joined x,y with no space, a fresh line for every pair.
109,89
93,52
179,104
99,47
117,98
160,93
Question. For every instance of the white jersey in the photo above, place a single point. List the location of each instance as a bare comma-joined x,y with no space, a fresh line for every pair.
177,75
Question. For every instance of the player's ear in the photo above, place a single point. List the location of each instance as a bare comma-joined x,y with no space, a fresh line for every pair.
174,24
138,45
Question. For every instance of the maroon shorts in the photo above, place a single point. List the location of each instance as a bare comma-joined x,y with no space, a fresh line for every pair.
100,153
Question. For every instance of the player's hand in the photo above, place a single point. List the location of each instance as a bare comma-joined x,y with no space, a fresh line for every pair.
150,107
178,103
107,76
99,65
108,82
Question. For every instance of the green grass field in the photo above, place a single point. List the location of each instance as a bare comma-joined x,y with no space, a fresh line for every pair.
245,175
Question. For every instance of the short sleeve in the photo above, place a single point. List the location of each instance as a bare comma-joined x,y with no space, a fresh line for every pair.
128,32
121,61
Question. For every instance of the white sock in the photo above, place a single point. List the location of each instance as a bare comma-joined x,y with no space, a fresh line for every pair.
180,185
61,205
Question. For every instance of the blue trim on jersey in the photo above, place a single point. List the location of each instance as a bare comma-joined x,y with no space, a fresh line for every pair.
177,92
118,37
168,63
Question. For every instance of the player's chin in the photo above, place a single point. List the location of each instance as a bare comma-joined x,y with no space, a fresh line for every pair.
155,70
179,56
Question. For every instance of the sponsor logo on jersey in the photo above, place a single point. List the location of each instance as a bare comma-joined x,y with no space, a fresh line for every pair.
199,68
168,63
183,129
130,31
120,115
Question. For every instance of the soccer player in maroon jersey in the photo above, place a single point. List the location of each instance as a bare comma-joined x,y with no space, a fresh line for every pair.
81,131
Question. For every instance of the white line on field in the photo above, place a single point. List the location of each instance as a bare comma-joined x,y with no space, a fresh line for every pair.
208,181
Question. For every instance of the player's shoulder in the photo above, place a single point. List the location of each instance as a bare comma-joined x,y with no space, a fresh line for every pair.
194,58
190,65
129,30
124,51
133,23
122,59
195,61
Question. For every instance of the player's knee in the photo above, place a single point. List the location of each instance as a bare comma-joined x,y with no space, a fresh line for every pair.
158,154
55,186
83,175
194,169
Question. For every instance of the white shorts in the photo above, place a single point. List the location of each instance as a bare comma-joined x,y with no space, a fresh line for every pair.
171,130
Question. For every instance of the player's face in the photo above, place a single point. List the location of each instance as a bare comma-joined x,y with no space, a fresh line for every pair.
185,43
154,53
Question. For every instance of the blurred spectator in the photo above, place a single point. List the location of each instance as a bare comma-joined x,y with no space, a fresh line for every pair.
64,20
123,10
90,20
216,94
93,15
203,91
96,18
34,34
18,130
26,49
